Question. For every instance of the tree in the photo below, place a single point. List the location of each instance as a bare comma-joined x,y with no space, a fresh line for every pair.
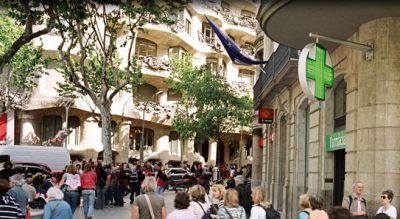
27,13
209,107
22,70
97,68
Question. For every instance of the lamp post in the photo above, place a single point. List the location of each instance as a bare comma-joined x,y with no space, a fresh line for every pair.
142,136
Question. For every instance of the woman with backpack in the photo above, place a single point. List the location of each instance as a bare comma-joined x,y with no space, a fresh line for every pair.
232,210
198,205
260,204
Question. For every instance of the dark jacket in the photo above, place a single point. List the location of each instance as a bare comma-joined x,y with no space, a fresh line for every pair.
245,201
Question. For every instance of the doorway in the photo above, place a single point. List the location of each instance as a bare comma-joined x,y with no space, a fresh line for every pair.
204,150
339,172
220,153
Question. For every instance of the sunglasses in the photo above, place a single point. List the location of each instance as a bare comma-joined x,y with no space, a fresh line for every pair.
384,197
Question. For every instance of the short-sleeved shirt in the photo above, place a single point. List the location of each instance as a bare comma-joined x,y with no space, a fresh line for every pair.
72,180
257,212
391,211
157,203
236,213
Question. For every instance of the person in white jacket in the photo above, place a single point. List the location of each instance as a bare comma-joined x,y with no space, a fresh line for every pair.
387,208
258,198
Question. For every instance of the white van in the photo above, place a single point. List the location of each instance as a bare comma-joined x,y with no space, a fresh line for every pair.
54,157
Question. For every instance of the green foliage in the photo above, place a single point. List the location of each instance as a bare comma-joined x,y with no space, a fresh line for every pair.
27,64
209,106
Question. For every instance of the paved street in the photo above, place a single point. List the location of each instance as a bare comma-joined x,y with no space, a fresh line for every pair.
124,212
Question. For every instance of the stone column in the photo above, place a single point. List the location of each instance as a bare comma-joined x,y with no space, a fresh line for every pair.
163,97
10,127
162,142
256,175
27,135
212,152
123,142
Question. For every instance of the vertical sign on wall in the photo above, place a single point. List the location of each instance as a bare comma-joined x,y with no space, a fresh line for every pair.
3,128
266,115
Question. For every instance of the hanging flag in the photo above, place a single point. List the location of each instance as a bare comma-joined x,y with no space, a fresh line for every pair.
232,49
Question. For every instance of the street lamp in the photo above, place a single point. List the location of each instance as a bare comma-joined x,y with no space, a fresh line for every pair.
142,136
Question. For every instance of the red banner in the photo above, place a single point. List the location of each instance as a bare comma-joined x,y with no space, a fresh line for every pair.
3,127
266,115
260,141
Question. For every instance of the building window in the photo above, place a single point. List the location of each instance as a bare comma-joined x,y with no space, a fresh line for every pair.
188,26
246,77
340,106
174,143
246,13
74,126
223,69
177,51
225,6
145,47
212,65
50,126
208,33
135,135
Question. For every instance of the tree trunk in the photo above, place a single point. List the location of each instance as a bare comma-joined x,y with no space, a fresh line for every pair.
106,133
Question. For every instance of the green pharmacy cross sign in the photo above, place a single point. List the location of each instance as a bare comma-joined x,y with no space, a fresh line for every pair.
315,71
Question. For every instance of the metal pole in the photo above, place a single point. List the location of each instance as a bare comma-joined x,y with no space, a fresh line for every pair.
142,136
66,124
351,44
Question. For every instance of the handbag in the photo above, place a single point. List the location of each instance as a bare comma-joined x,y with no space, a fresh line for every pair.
206,215
64,188
149,205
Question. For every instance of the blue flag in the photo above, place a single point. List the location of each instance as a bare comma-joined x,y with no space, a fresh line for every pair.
232,49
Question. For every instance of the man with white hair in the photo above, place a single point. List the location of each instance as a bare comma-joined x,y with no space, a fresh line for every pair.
56,207
16,191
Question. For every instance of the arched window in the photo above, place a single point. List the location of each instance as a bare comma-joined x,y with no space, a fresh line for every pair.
74,126
303,146
225,6
340,106
145,47
50,126
177,51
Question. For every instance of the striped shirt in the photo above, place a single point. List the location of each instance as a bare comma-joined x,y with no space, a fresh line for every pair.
9,207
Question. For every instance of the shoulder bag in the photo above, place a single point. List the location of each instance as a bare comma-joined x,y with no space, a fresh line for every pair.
149,205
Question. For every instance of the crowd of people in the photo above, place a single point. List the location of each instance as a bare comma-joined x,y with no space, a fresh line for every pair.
99,186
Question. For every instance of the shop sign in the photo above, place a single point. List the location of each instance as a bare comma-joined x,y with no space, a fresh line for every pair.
315,71
335,141
266,115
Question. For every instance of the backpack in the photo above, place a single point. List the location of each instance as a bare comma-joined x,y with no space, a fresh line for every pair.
207,214
271,213
351,201
134,177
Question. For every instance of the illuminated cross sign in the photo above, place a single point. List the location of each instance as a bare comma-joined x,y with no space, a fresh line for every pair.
315,71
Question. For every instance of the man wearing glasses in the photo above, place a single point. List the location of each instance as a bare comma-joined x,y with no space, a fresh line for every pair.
355,202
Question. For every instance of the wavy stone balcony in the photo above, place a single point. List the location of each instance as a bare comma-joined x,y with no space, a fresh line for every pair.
154,63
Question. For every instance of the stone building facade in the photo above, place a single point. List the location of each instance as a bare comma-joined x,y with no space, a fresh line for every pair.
46,112
363,103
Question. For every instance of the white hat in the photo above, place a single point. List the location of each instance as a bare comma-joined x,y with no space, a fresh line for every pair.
54,193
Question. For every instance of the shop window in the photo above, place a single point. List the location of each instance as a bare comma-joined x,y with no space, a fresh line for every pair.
74,126
145,47
135,135
174,143
50,126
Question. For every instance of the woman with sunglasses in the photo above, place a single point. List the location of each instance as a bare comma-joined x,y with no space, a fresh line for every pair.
387,208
